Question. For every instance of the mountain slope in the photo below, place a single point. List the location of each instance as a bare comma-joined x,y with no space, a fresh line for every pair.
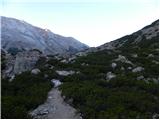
18,36
121,81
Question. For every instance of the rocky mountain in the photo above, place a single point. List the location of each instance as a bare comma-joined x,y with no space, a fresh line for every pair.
117,80
146,35
19,35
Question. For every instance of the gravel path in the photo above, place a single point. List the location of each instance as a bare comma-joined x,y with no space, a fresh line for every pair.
55,108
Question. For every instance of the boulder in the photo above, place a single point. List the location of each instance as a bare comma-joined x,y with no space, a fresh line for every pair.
150,56
110,75
155,62
137,69
155,116
129,68
123,59
134,55
35,71
140,77
65,73
56,82
11,79
46,76
122,68
114,65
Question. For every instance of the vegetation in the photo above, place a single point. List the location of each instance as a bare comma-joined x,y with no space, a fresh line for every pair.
122,97
24,93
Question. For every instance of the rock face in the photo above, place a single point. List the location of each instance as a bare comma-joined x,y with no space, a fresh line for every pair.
22,62
19,36
25,61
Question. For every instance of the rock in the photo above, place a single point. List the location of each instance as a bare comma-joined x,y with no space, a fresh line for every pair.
129,68
84,64
72,58
54,108
137,69
35,71
140,77
45,76
110,75
81,54
24,36
150,56
43,112
50,97
56,82
123,59
152,79
11,79
114,65
77,72
64,61
65,73
25,61
134,55
122,68
155,116
155,80
51,67
156,62
70,101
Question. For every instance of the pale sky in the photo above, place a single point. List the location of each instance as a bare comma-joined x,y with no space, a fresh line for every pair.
93,22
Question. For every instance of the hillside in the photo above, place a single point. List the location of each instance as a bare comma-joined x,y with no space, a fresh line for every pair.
119,79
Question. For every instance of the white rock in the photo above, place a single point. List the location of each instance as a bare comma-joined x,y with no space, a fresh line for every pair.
150,55
35,71
56,82
114,65
43,112
155,116
64,61
137,69
110,75
72,58
11,79
140,77
84,64
154,61
129,68
65,73
152,79
134,55
123,59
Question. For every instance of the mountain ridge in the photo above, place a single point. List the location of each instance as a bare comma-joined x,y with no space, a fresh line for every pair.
22,35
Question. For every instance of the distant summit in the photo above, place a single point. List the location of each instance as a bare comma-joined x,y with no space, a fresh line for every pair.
18,35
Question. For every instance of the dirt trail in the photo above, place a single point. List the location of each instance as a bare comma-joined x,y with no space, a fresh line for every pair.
55,108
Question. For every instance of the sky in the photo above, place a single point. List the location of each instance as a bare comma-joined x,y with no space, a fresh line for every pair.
93,22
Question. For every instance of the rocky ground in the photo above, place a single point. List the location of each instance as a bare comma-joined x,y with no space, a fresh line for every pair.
55,108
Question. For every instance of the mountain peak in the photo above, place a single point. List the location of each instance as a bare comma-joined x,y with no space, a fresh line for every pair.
24,36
